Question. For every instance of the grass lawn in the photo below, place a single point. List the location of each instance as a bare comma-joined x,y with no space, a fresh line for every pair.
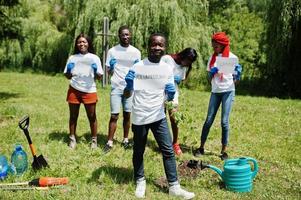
267,129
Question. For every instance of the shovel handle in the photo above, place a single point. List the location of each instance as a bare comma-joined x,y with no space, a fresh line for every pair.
24,122
51,181
24,188
14,184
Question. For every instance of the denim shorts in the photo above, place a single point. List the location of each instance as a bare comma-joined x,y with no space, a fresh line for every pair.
117,99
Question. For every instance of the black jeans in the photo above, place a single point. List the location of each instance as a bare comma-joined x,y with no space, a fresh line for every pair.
163,138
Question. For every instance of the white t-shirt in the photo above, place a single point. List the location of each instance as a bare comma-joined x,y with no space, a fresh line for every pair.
148,104
178,70
125,57
224,84
82,73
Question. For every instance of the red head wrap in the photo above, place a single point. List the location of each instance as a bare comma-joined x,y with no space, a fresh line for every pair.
221,38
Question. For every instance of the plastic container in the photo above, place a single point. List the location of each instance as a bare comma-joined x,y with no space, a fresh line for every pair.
19,160
3,167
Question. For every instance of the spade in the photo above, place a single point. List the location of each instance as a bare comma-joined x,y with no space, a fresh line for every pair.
38,161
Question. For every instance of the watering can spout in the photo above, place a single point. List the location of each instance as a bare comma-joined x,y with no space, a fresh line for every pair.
217,170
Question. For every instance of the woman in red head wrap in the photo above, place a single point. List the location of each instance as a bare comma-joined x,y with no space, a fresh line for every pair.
222,92
220,44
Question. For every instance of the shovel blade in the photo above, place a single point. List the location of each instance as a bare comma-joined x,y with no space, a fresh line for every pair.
39,162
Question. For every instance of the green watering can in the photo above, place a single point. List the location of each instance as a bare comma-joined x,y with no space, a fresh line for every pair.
237,175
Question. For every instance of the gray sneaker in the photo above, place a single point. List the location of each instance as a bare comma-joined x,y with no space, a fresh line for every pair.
199,152
177,191
126,145
107,148
224,156
94,143
72,141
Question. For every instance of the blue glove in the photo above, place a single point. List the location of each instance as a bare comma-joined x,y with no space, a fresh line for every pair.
70,66
177,79
170,90
94,67
112,63
213,71
129,79
237,70
137,60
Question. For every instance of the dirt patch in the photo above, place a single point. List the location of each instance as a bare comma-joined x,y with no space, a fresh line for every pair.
184,172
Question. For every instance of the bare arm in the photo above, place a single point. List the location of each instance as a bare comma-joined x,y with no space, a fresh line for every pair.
68,75
209,77
98,76
127,93
188,72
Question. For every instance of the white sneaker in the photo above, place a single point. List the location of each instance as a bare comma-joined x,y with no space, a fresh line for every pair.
177,191
94,143
140,189
72,141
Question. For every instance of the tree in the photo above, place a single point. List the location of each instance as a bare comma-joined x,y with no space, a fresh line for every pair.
283,70
10,24
242,21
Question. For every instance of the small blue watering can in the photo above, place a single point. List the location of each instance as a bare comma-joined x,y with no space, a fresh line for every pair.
237,175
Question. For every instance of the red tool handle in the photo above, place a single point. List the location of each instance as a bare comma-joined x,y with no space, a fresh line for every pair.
51,181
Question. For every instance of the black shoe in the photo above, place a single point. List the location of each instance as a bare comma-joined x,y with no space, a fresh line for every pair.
126,145
107,148
224,156
199,152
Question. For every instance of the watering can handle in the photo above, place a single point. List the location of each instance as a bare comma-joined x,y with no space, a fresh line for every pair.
255,166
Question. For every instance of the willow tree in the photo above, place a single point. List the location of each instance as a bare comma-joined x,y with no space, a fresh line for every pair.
283,70
40,45
9,31
10,24
243,22
182,21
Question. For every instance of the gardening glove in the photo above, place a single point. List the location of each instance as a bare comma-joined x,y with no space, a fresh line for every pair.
129,79
112,63
94,67
137,60
177,79
237,72
213,71
170,90
70,66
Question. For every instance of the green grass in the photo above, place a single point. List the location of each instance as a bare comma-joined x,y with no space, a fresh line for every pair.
267,129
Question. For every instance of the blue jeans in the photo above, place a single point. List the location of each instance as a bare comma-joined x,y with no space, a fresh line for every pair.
163,138
226,99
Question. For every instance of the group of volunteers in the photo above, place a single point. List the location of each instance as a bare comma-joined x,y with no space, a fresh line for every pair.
142,87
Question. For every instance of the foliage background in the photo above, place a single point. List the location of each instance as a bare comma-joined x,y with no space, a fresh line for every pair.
38,35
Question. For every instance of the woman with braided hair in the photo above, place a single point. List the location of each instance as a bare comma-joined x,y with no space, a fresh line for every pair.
181,63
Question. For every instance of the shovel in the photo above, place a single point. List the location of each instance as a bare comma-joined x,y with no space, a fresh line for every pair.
38,161
43,183
40,182
195,164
